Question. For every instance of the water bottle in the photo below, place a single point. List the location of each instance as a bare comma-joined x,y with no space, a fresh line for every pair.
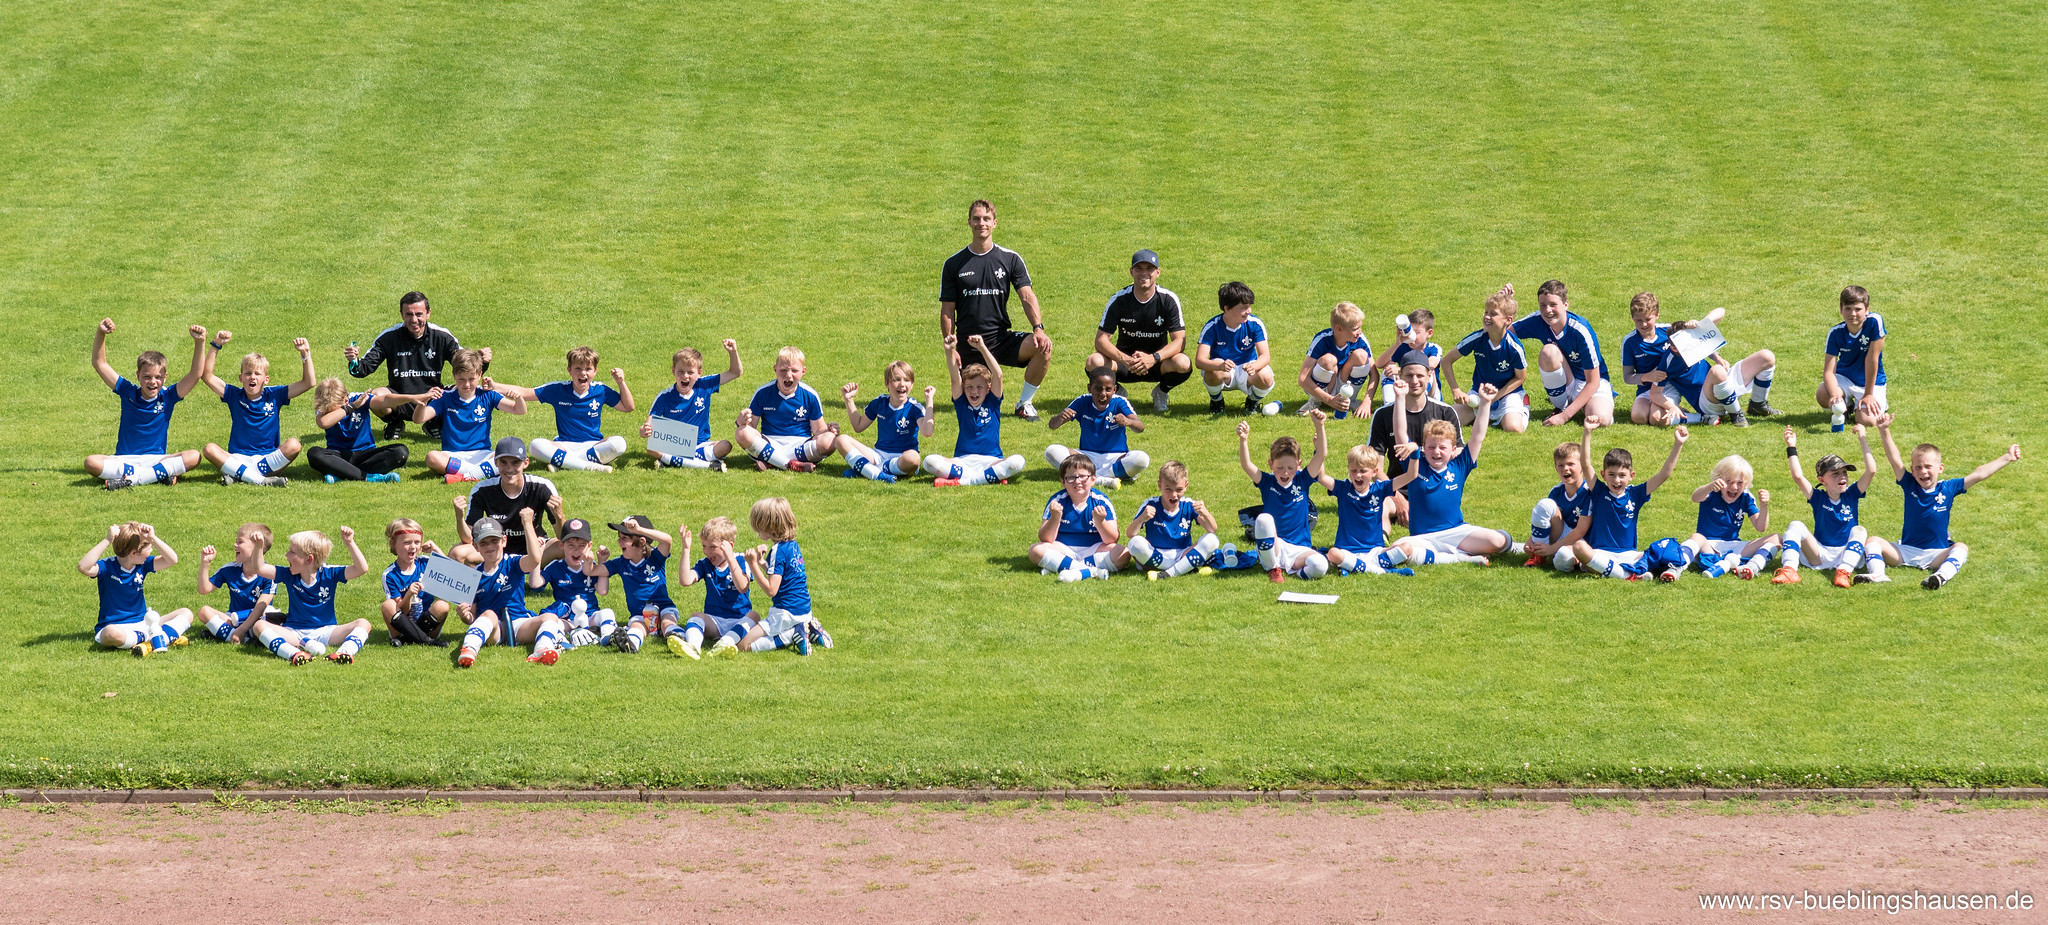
1836,414
1401,324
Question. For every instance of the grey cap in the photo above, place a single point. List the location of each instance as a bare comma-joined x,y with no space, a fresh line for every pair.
1832,463
485,528
510,448
576,529
1145,256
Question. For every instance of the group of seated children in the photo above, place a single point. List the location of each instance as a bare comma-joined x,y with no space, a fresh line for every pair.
578,576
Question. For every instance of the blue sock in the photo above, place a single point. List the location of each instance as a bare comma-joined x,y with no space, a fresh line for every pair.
1716,566
674,461
955,472
226,629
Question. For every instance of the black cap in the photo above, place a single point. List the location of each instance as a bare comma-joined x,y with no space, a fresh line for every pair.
1145,256
510,448
1832,463
576,529
636,520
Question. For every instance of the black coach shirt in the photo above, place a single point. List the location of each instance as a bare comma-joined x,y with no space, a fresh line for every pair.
1382,436
488,497
1142,327
979,287
415,361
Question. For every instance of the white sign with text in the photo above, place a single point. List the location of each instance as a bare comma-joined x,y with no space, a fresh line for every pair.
450,580
672,438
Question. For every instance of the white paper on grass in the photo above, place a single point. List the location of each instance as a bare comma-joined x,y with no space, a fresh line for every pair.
1698,343
672,438
450,580
1290,597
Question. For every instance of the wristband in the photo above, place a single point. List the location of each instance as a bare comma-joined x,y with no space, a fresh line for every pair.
1156,358
213,345
1791,452
1038,327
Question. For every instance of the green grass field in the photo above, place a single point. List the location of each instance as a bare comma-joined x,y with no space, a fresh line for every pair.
645,176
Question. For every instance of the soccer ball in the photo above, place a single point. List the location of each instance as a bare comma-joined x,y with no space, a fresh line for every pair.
1270,408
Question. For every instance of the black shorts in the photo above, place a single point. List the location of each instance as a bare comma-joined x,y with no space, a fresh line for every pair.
1157,373
1003,345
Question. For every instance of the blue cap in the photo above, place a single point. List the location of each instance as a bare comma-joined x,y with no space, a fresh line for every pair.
1145,256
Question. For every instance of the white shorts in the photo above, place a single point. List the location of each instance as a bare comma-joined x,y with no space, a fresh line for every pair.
1725,547
1103,461
1915,557
1854,393
134,464
781,621
1287,554
1829,555
479,458
130,626
1574,385
575,449
1622,560
1449,540
970,463
787,443
1513,402
1081,552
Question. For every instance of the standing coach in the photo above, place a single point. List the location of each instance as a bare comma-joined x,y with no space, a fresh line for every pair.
974,297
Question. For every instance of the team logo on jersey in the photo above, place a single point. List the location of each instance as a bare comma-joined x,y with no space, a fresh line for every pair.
1628,508
1574,355
318,594
428,354
267,408
1940,503
801,412
1504,366
1245,341
1450,479
903,425
1000,275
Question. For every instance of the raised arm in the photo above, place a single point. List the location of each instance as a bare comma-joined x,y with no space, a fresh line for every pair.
995,369
1869,460
1702,493
953,361
732,368
1145,512
1105,525
1891,449
925,423
625,391
307,377
1792,462
854,419
99,352
1678,438
1985,471
1321,445
358,566
368,362
511,398
1414,467
199,357
163,549
1049,520
770,582
1244,451
1761,520
90,565
205,360
206,555
462,534
1487,393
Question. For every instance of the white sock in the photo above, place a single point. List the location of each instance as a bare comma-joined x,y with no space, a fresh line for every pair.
1024,395
1265,533
1724,394
894,466
1347,560
275,640
1873,563
1215,391
781,456
1852,551
354,642
1554,383
1256,392
1315,567
1056,454
1132,463
1954,563
475,472
1144,555
243,468
1760,387
608,449
686,462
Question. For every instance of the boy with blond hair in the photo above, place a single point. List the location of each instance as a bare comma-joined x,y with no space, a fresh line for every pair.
1438,471
1363,509
1338,364
126,621
1286,521
139,457
465,412
1498,361
250,581
791,433
1162,539
689,401
579,404
1924,540
256,447
728,608
310,627
898,421
978,409
1725,502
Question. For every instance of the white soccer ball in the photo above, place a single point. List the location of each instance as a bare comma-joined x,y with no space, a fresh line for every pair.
1270,408
1472,399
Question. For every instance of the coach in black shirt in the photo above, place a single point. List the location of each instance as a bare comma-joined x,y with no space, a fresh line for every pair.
974,298
416,350
1422,409
1150,336
505,495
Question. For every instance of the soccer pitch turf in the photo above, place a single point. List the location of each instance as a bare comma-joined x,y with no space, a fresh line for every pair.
642,177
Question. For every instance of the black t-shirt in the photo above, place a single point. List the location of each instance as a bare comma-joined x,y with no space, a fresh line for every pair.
488,497
979,287
1382,436
1142,327
415,361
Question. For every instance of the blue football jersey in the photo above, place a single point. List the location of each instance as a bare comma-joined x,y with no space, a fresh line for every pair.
569,584
351,434
1832,518
1325,344
786,415
646,581
693,409
1570,507
1927,512
121,592
794,592
1077,521
577,417
720,600
1851,351
253,422
1359,514
1493,364
1581,347
145,422
465,425
1169,530
243,589
895,428
1239,345
396,580
1721,519
1100,433
1436,499
1615,516
1290,506
313,602
1641,354
502,591
981,426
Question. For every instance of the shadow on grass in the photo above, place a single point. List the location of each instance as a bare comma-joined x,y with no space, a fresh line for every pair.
47,639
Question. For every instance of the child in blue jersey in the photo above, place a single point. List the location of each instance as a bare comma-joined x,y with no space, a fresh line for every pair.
1573,372
256,449
1286,512
350,454
784,426
251,584
411,615
978,410
728,608
642,567
579,404
310,628
465,412
1924,541
1338,364
1161,538
1498,361
1712,386
779,566
689,401
499,613
1233,353
1363,510
1435,480
126,620
579,582
139,457
1412,344
1725,502
1609,549
898,422
1104,417
1837,539
1561,518
1077,533
1853,373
